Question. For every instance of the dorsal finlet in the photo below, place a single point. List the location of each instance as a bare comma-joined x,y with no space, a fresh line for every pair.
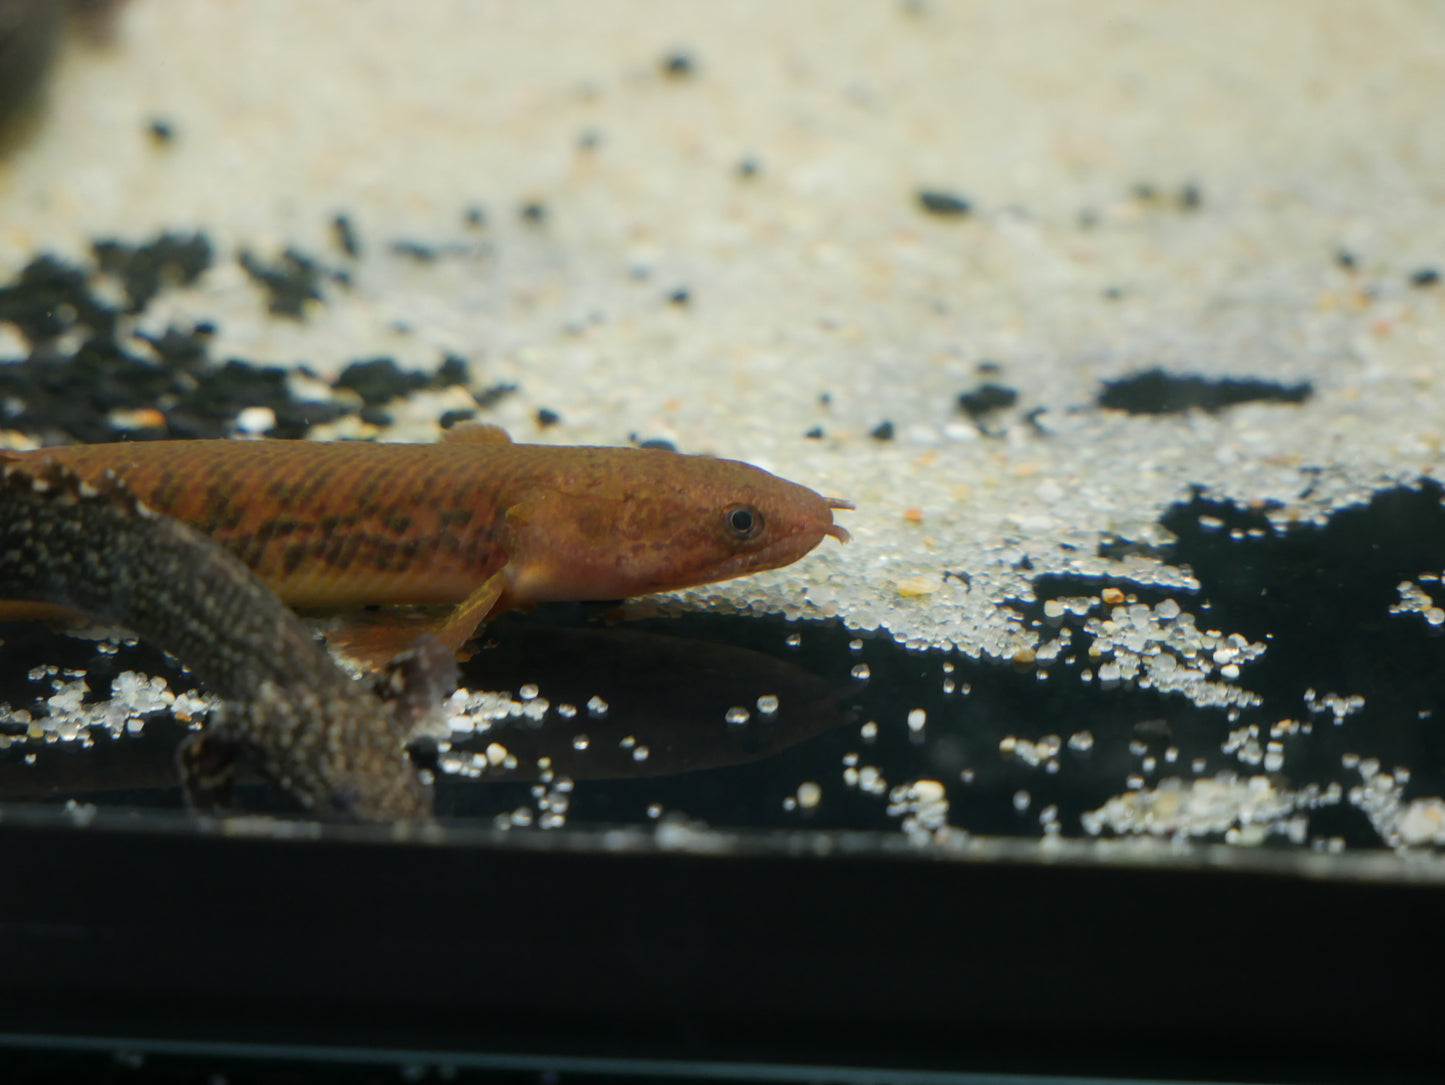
482,433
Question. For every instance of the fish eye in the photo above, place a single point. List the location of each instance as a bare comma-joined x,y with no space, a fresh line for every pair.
743,521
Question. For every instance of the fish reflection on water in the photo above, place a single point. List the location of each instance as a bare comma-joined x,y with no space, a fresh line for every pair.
670,694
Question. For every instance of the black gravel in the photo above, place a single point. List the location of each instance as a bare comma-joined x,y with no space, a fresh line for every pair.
985,399
162,131
51,297
945,204
453,418
289,284
113,388
344,232
171,259
1158,392
380,380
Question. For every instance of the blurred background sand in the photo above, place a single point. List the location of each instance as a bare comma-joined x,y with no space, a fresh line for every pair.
1148,185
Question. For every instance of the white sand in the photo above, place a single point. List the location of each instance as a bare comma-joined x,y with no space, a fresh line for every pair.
1307,126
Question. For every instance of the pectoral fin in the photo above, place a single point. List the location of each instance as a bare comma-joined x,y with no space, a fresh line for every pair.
462,622
375,639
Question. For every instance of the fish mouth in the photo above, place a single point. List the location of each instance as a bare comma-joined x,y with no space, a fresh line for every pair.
838,531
